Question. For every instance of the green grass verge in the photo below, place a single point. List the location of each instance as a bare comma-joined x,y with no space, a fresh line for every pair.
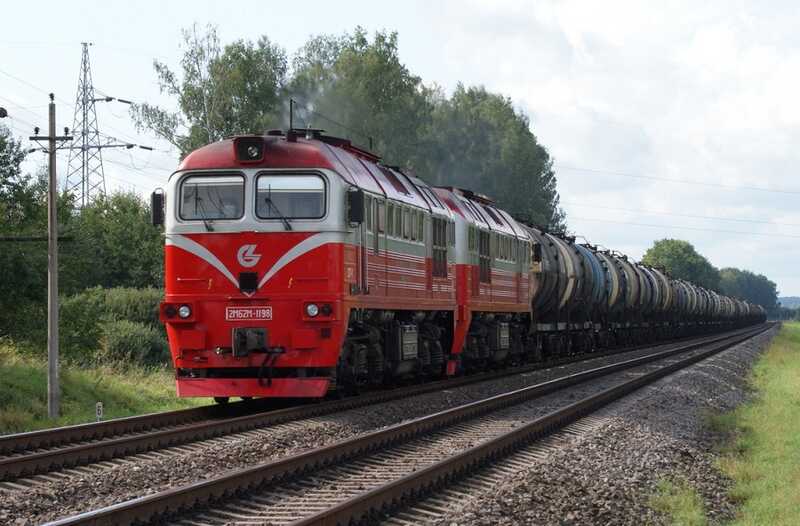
680,502
763,454
23,392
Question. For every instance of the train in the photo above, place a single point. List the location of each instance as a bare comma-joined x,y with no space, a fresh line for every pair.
298,264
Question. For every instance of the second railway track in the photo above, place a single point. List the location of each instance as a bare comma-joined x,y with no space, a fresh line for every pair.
358,478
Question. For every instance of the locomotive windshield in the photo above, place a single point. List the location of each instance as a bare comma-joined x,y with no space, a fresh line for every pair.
206,197
290,196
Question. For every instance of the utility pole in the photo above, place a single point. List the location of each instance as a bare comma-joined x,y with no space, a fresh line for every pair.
53,390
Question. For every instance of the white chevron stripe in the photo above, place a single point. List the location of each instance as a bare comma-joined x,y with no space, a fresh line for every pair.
310,243
193,247
306,245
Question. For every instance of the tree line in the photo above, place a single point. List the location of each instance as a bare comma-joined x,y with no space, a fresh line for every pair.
356,86
682,261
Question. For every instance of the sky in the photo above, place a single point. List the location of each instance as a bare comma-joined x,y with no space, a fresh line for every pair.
664,119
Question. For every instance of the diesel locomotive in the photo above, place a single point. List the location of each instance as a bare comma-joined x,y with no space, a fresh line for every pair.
297,263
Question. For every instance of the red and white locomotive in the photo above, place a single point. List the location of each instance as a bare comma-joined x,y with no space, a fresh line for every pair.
297,263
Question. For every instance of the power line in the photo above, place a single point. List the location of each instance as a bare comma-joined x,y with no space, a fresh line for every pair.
716,218
141,172
14,118
679,181
148,163
62,101
26,110
684,227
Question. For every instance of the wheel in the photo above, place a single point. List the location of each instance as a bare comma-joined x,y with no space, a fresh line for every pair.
221,399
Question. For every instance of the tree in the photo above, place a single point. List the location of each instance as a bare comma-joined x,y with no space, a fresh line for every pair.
356,86
682,261
23,264
749,286
237,90
18,192
481,142
114,245
110,243
475,139
360,89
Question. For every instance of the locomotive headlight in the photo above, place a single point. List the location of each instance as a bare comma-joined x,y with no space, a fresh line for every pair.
312,310
253,152
184,311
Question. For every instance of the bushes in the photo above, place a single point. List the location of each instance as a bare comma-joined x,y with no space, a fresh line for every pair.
130,342
119,324
79,322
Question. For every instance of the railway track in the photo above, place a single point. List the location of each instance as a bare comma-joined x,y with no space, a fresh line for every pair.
41,452
361,478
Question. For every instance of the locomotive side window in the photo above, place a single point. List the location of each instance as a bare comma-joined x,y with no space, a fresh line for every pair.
206,197
439,248
473,239
484,256
290,196
368,212
380,219
398,221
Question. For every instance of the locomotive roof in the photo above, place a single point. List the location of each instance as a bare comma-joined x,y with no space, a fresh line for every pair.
358,167
479,210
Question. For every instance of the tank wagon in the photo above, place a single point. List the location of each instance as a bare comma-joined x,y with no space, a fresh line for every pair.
297,263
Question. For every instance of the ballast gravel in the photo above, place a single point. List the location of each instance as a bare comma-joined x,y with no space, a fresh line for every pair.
69,493
659,433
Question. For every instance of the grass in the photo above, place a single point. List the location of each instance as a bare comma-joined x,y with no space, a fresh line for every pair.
763,454
760,446
680,502
23,392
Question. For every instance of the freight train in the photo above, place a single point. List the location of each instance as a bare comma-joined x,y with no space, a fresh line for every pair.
297,264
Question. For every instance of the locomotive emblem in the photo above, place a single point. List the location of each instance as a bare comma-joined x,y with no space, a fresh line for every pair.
247,256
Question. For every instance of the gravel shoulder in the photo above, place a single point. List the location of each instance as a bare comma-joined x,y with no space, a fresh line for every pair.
609,477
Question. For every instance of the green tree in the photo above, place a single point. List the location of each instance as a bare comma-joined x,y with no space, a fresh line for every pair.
114,245
23,264
475,139
221,92
481,142
357,88
682,261
749,286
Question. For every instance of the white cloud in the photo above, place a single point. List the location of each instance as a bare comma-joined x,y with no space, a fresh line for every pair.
681,90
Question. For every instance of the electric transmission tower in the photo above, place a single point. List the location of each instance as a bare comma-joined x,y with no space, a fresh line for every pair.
86,179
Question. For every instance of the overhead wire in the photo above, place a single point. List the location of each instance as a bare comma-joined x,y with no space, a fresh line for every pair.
675,214
676,227
559,166
62,101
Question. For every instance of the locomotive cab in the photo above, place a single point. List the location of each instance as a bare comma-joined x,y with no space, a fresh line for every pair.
258,259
